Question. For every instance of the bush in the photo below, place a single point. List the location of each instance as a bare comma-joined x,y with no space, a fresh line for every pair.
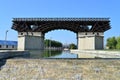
113,43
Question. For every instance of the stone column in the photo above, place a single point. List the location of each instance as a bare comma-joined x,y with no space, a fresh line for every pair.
90,40
30,41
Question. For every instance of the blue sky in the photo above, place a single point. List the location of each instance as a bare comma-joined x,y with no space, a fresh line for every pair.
58,8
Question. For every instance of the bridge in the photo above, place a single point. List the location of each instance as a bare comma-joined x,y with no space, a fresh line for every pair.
90,31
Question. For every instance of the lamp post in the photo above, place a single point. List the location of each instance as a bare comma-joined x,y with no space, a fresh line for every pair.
50,46
5,39
6,35
50,42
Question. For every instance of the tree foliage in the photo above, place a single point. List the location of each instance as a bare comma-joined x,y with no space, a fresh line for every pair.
118,43
113,43
73,46
52,43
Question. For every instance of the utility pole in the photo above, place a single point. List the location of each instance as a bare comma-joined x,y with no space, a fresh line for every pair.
6,35
50,46
5,38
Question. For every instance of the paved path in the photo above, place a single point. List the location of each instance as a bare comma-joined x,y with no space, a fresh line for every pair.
96,53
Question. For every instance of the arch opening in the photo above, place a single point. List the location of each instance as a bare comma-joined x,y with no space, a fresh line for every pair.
64,36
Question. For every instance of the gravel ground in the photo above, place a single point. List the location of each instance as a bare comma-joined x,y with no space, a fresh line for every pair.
59,69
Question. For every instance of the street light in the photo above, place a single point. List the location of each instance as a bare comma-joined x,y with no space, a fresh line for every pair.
50,42
50,46
5,38
6,35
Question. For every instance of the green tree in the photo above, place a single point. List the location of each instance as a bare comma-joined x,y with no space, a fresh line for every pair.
73,46
46,42
52,43
111,43
118,43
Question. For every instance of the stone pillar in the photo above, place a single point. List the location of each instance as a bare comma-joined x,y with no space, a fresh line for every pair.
90,40
30,41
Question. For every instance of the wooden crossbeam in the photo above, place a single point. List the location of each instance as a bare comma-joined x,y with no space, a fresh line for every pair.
73,24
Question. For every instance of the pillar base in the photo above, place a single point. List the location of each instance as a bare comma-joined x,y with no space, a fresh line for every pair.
35,41
90,41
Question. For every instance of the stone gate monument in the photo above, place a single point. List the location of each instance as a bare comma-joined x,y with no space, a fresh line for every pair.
90,31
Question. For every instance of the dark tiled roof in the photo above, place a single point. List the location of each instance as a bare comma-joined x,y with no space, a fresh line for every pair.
60,19
3,42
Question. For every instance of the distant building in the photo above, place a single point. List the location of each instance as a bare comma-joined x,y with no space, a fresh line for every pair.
6,45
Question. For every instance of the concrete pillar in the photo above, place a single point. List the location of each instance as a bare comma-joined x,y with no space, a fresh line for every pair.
90,40
30,41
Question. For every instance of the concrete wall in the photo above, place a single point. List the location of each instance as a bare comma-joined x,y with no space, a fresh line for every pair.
30,41
99,42
5,54
90,40
96,54
21,42
34,43
86,43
